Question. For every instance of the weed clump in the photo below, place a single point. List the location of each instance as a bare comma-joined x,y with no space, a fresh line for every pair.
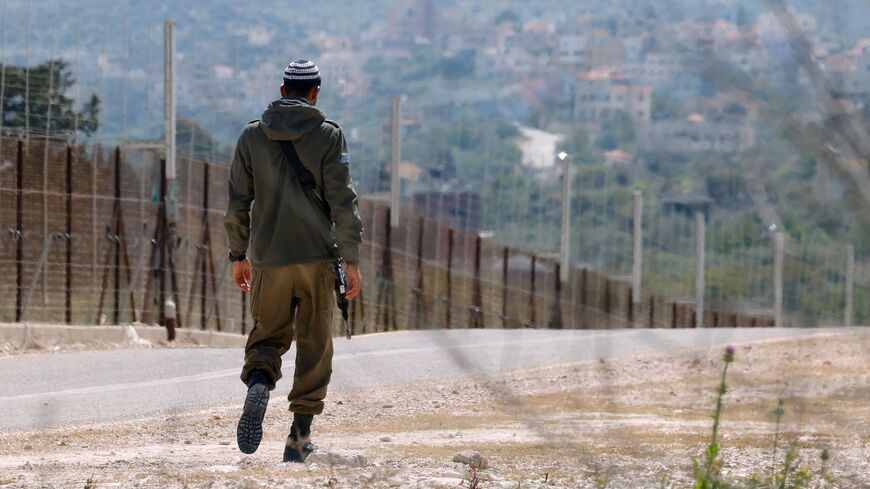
790,473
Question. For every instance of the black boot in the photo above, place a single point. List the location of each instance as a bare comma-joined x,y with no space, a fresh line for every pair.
249,432
298,445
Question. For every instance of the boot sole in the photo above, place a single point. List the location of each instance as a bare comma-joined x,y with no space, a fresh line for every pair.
249,433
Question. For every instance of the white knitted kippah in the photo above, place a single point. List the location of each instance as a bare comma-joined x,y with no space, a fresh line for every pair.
303,70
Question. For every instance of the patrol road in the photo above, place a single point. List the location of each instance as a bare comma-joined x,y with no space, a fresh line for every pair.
46,390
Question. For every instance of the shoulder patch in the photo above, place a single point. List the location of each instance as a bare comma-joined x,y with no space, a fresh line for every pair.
345,158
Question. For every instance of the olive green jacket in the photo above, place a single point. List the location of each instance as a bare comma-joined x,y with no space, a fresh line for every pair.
269,210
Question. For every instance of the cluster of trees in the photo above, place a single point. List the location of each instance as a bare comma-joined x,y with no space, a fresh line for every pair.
37,98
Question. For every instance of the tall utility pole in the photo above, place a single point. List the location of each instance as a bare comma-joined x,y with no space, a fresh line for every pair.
169,116
700,245
565,247
395,158
637,255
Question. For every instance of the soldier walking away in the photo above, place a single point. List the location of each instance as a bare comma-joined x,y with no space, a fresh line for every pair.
292,208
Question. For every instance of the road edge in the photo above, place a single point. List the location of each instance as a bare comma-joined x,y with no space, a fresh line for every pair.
26,334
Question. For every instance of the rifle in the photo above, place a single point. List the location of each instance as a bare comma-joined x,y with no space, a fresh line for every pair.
340,289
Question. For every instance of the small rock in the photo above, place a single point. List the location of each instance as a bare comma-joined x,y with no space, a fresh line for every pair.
387,406
471,457
247,483
28,447
339,403
337,458
225,443
396,481
216,417
187,442
451,474
385,439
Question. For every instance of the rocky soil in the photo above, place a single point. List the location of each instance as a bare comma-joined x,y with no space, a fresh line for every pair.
626,423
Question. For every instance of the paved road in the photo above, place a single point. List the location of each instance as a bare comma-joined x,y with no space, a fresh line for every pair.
51,390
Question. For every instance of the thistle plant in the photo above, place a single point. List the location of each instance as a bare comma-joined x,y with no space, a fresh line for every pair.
778,412
788,474
708,477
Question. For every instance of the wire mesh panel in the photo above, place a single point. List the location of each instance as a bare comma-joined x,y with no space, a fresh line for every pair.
426,273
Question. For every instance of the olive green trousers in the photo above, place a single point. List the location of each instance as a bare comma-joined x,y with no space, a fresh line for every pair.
293,300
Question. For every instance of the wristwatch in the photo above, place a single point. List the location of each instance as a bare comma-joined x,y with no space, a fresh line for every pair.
235,257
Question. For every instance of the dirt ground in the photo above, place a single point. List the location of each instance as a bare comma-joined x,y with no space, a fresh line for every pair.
619,423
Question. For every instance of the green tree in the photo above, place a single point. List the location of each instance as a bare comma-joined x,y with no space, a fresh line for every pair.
616,133
665,107
35,98
507,15
462,65
577,144
195,141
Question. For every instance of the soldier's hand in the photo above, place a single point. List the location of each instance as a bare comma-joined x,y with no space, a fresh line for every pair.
354,281
242,274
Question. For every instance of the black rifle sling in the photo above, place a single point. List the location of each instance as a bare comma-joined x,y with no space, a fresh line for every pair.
306,178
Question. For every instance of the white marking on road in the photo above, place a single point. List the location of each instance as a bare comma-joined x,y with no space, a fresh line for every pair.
558,341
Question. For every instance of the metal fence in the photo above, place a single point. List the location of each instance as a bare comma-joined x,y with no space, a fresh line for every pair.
83,236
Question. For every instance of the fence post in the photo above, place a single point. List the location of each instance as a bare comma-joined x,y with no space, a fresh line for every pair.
556,321
531,321
386,297
778,251
116,291
637,255
395,157
417,290
68,259
162,239
848,313
565,247
476,289
448,298
19,231
700,248
504,286
205,255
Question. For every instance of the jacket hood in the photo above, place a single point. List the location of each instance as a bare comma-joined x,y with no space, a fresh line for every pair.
287,119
